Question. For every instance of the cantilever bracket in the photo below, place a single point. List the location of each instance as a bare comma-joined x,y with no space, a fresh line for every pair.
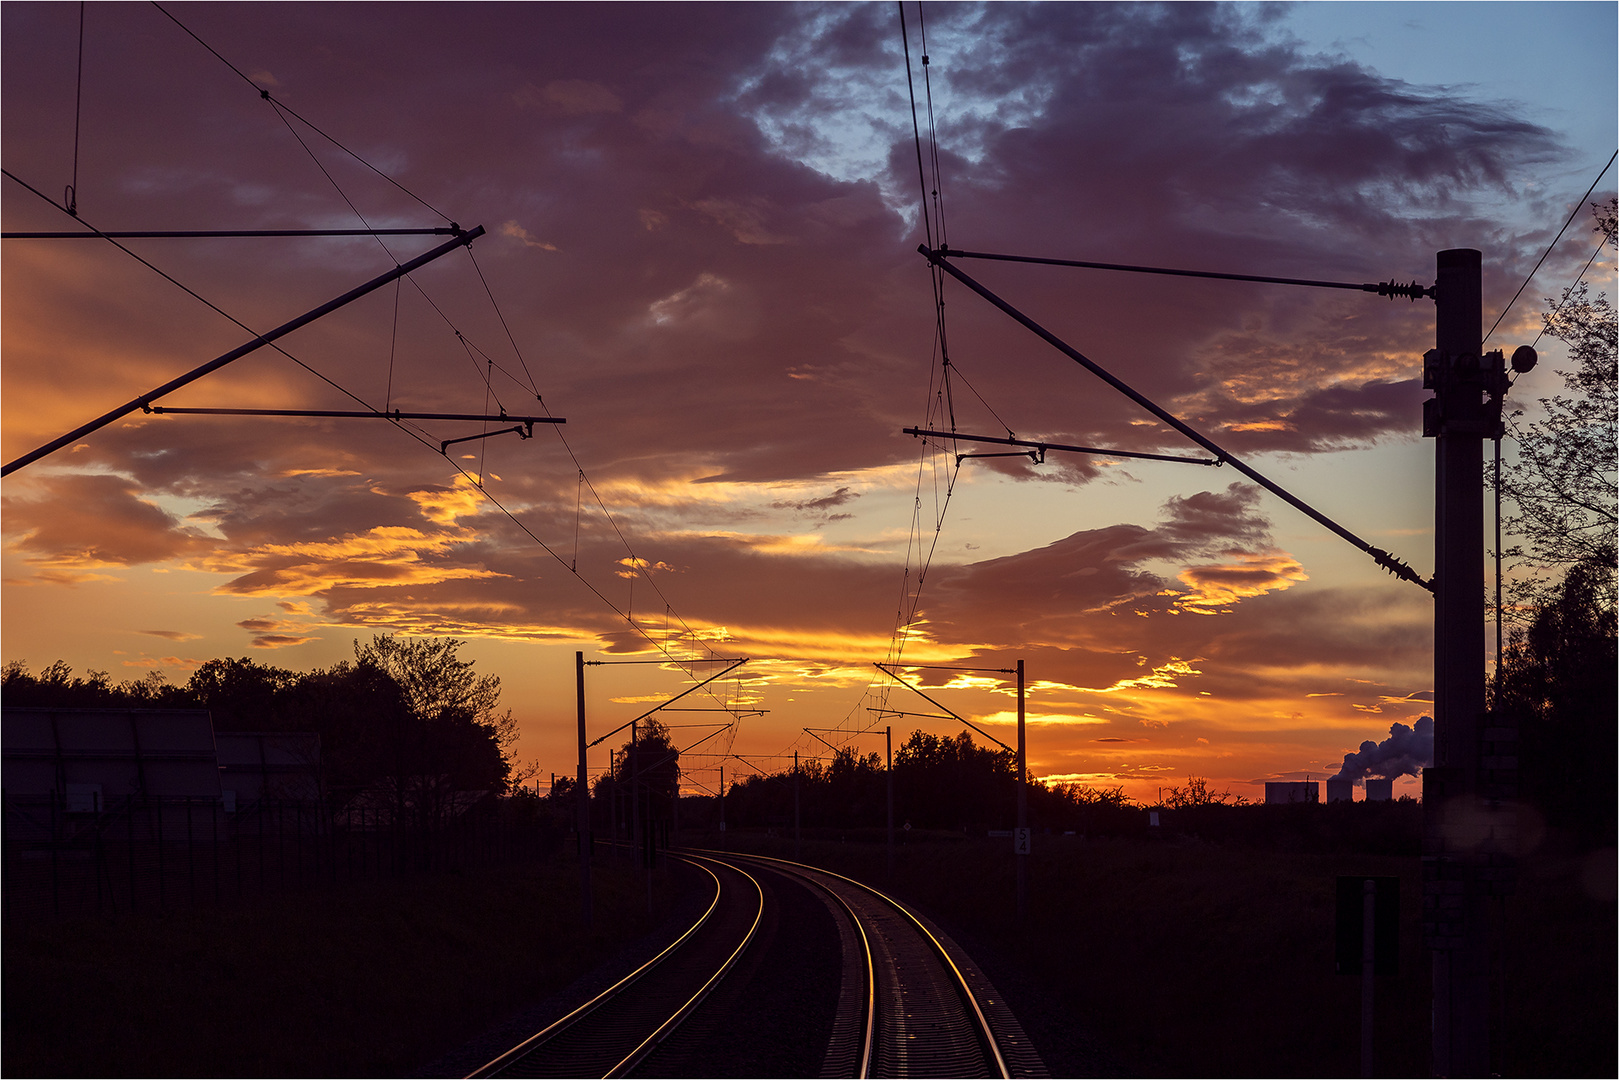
523,431
1037,456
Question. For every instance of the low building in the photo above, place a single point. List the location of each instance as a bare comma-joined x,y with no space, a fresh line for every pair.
1292,791
92,759
279,766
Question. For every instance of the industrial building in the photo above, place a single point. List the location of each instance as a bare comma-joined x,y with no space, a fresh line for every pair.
1292,791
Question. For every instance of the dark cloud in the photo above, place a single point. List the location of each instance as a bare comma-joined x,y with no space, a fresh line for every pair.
826,502
702,248
95,520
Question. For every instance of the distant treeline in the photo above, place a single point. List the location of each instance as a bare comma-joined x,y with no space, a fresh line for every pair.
945,784
401,711
939,783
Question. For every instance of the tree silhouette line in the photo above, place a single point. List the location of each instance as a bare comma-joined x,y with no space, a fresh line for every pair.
406,717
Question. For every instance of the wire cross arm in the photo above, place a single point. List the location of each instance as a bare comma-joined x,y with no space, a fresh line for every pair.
1390,289
885,669
240,351
357,414
919,715
1042,447
519,430
1388,562
665,704
225,234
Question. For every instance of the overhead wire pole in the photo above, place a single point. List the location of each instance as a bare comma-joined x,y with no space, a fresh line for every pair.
1467,795
1382,558
1023,840
584,795
1021,844
240,351
888,771
633,808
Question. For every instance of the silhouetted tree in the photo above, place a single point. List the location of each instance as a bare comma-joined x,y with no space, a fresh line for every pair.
1556,685
57,687
1197,793
407,717
455,709
653,764
950,783
1563,483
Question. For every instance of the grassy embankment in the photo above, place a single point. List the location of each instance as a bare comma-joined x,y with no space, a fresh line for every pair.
1196,959
369,980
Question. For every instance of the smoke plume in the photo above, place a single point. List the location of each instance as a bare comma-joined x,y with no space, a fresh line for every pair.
1404,753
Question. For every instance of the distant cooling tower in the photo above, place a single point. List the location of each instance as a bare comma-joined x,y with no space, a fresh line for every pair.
1379,790
1340,791
1292,791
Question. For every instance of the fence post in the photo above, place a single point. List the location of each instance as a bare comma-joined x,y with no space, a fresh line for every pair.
129,836
191,855
56,903
5,858
162,876
101,869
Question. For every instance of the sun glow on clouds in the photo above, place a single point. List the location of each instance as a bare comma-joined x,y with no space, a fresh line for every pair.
1162,678
445,507
742,336
387,555
1043,719
1219,586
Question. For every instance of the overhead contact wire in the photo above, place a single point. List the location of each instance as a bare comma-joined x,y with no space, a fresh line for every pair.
281,107
1577,208
266,95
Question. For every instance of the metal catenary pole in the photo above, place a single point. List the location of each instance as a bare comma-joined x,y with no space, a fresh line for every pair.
1022,805
1463,812
584,797
888,733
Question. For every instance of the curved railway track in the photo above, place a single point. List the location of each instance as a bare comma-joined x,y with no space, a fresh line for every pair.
911,1003
920,1007
613,1031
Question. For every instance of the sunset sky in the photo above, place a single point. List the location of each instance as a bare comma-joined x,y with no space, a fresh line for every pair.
702,230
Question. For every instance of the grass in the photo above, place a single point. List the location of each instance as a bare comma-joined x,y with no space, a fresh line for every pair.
373,980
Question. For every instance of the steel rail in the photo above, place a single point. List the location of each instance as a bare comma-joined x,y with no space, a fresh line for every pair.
556,1027
867,1051
650,1043
983,1029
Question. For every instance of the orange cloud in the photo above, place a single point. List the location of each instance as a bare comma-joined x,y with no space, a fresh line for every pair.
1218,586
91,520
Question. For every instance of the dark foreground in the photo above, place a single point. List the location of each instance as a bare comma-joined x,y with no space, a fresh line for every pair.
1137,958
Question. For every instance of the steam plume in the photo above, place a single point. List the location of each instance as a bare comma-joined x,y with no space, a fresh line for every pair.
1404,753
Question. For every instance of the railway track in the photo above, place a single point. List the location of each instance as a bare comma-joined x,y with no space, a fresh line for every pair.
919,1006
911,1003
615,1030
